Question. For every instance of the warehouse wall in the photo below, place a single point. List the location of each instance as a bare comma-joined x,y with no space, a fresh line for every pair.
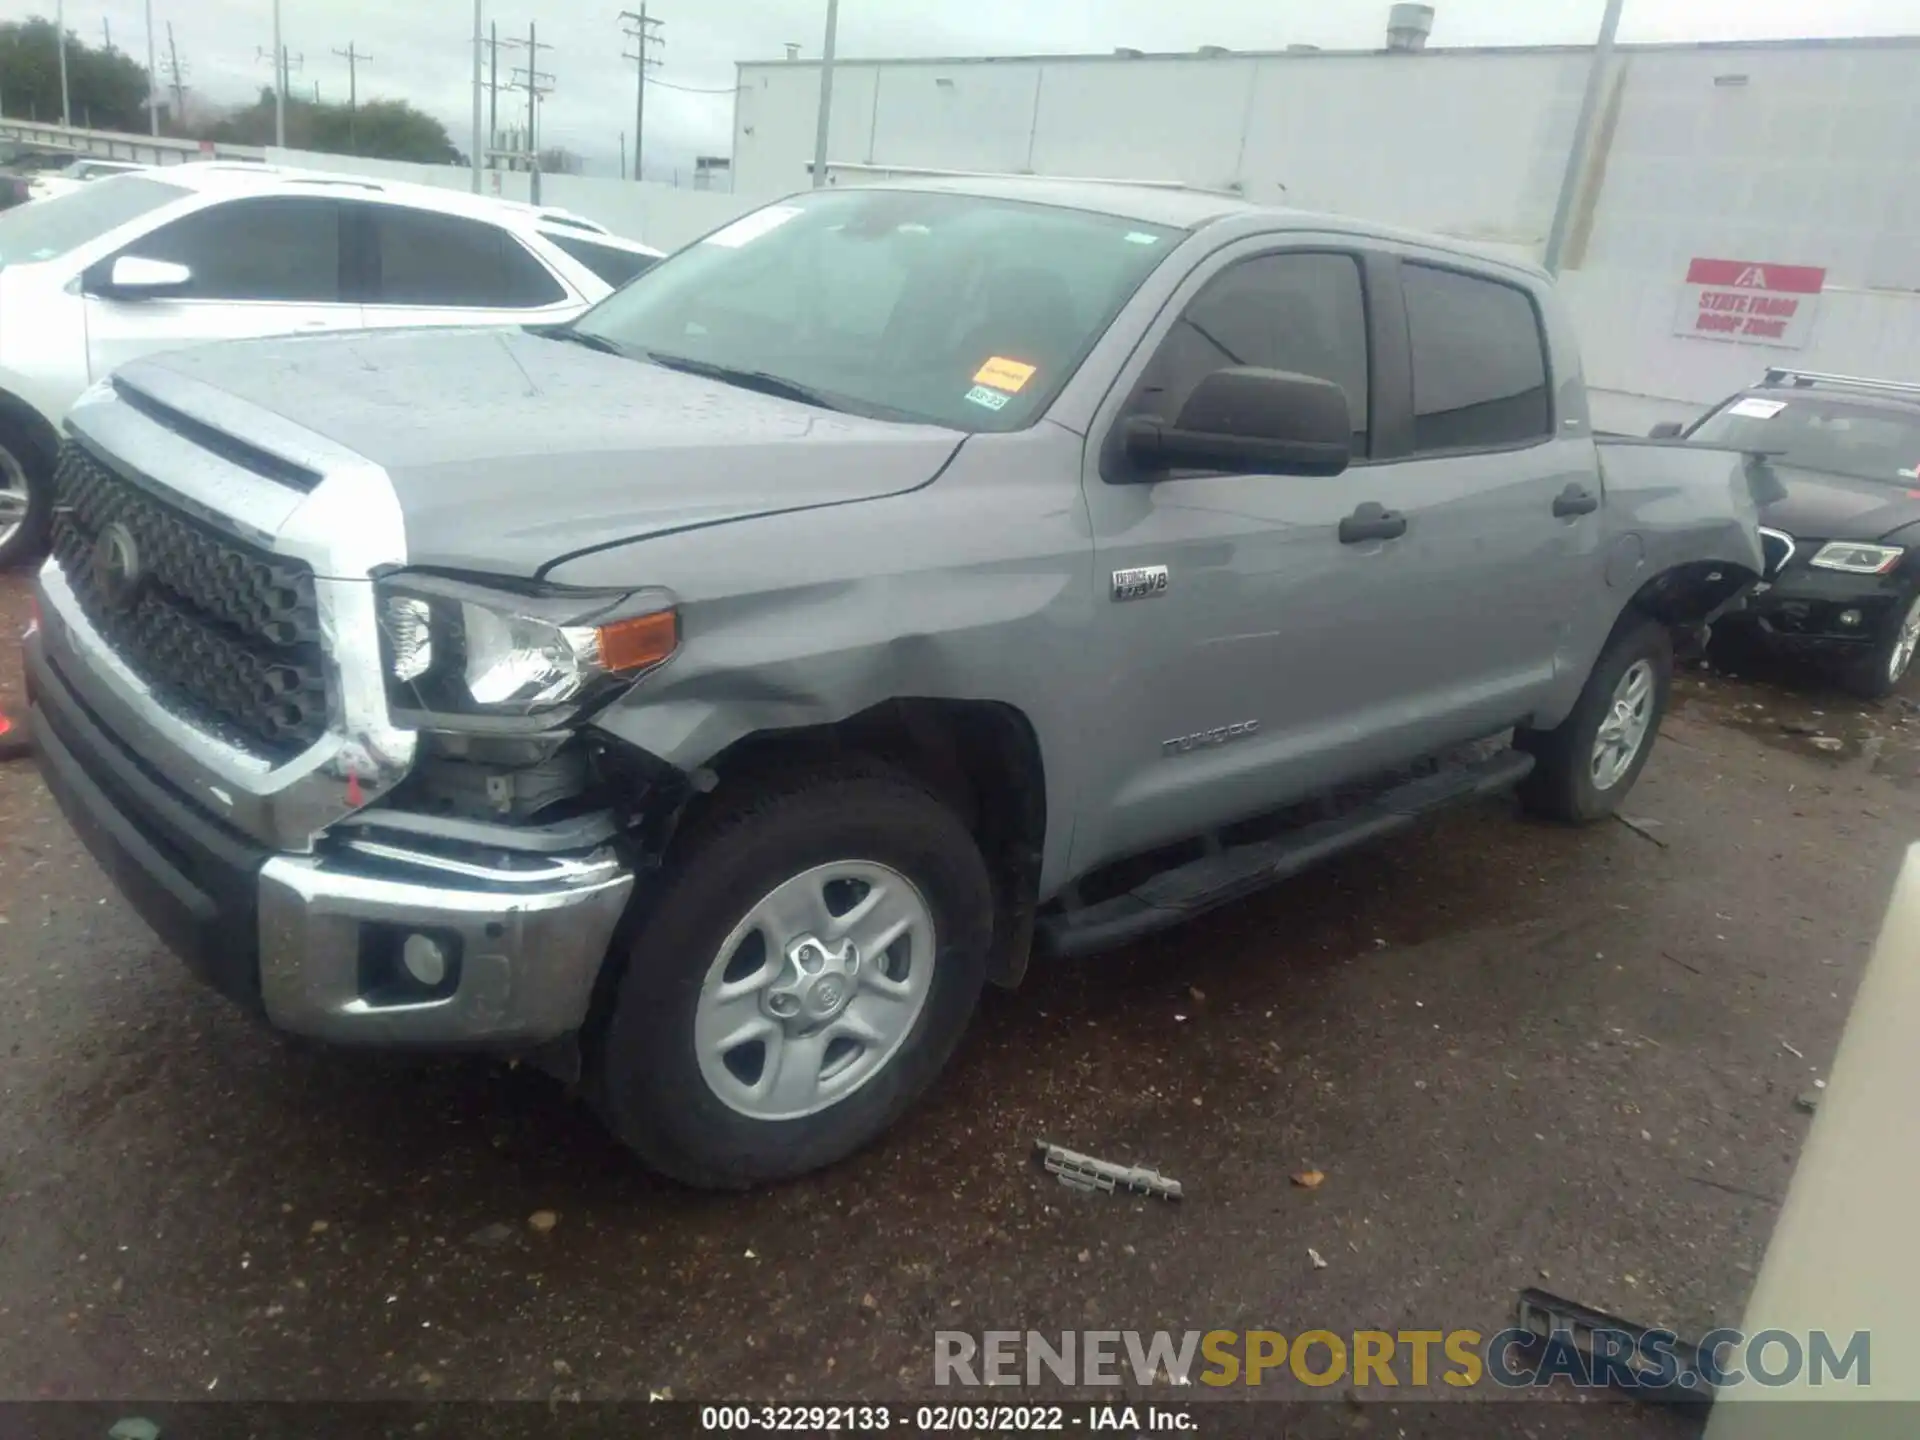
1793,153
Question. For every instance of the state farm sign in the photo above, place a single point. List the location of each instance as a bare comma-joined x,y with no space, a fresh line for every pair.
1750,302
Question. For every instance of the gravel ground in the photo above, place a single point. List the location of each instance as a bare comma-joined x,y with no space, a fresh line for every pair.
1520,1055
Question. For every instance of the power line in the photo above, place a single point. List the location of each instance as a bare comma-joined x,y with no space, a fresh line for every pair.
643,31
691,89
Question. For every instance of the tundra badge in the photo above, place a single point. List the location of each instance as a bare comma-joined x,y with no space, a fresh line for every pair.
1140,584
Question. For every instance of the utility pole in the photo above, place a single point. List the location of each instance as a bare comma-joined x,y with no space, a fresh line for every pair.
106,35
479,18
60,30
1582,135
537,83
178,76
353,58
279,83
623,154
826,94
283,68
153,77
643,32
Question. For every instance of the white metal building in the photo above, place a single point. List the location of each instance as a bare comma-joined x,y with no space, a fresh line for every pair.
1773,154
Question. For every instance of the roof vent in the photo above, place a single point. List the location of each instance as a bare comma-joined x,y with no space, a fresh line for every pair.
1127,52
1213,52
1408,27
1303,49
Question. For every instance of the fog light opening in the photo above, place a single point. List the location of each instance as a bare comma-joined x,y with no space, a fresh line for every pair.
1850,618
426,960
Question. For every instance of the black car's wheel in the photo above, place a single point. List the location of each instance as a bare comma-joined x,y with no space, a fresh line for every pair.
1880,671
816,951
26,497
1586,765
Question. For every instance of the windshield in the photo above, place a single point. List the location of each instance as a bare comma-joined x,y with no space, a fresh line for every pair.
962,311
48,229
1826,434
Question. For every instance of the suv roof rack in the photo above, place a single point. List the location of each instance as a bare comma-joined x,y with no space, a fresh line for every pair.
1811,379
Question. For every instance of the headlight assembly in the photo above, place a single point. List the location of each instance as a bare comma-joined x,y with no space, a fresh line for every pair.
454,650
1857,559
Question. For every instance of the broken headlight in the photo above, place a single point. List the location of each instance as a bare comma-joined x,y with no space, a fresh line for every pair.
1857,559
450,648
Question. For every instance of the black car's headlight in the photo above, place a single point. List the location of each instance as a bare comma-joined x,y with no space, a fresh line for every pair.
452,650
1857,559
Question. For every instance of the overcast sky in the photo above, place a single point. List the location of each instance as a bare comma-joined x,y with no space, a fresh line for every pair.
421,48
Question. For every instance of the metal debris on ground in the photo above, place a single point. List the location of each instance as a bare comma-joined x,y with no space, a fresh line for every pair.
1828,742
1642,828
1784,1045
1319,1260
1083,1172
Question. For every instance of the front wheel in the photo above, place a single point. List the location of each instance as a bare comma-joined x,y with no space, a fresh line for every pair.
1879,672
1586,765
815,954
26,499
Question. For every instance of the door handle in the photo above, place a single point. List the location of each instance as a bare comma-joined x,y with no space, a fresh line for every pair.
1372,521
1576,499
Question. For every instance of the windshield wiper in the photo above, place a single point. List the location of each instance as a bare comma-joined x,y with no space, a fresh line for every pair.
578,337
759,380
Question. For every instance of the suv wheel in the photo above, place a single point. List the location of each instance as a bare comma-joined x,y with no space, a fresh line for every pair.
1880,671
1586,765
26,499
813,956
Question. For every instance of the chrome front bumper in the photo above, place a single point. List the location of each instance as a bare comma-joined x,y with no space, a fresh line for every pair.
525,961
315,940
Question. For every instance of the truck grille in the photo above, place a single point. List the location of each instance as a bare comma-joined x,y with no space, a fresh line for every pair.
226,632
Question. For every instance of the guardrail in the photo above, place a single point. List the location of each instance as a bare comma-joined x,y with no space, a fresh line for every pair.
117,145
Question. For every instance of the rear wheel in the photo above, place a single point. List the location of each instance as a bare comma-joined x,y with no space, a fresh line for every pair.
26,498
813,958
1879,672
1586,765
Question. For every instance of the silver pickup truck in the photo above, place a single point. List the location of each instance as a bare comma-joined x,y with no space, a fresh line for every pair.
708,697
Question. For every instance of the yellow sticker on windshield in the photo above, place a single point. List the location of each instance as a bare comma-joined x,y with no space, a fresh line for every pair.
1004,374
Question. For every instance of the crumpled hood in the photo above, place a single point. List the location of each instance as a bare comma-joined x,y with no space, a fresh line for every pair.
1838,507
510,451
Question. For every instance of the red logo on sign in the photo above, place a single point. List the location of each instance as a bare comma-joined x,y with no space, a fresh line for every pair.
1753,275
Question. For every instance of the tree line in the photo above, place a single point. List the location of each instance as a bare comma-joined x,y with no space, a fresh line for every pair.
107,90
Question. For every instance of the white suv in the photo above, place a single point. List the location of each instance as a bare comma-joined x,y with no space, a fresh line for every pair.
129,264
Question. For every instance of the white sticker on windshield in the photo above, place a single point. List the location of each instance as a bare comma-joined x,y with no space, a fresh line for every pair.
992,399
1756,409
1141,237
749,228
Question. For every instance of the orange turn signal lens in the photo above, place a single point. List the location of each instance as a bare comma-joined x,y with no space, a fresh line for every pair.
636,644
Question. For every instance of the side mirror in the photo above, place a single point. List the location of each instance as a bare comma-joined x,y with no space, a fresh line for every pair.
1249,421
134,277
1667,430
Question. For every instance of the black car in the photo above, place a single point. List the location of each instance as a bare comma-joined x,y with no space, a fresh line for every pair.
1843,546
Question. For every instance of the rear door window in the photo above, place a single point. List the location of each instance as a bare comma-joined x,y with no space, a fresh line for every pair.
420,257
1479,362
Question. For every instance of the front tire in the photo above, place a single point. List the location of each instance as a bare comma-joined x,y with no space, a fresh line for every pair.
1586,765
26,497
1878,674
815,953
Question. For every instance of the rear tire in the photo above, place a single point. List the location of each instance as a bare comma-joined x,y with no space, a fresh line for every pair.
1586,765
26,497
724,955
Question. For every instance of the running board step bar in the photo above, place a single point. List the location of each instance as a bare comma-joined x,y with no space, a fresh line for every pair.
1175,896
